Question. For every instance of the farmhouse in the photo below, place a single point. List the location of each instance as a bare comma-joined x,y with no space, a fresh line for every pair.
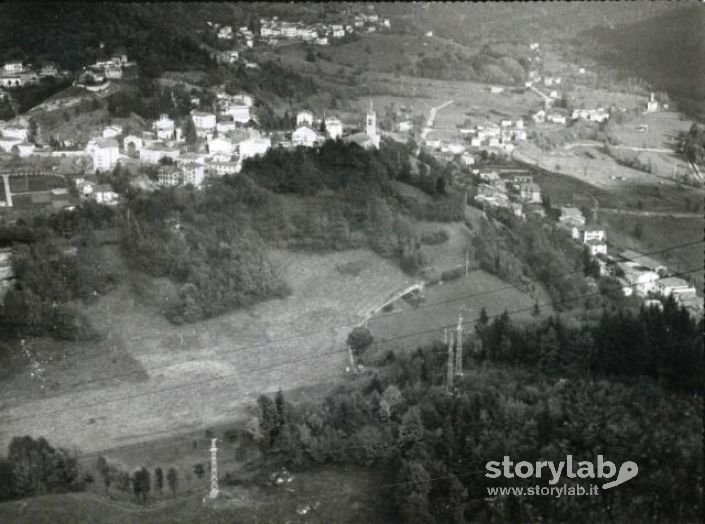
571,217
673,286
643,260
639,278
104,194
591,115
530,193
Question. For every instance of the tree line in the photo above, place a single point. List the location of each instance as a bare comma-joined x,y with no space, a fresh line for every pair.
538,394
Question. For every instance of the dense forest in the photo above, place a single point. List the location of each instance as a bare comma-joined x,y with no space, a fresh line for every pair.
213,243
666,51
51,272
34,467
69,34
535,393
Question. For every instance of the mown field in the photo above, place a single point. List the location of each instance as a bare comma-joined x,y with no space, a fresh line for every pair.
342,495
407,325
201,374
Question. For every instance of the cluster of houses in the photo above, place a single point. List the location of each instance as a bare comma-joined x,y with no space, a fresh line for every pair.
638,274
518,194
110,69
503,136
227,33
14,135
310,132
645,277
272,30
17,74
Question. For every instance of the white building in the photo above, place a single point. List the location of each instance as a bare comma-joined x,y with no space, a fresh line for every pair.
164,127
591,115
112,131
223,168
673,286
539,116
572,217
334,128
132,144
304,118
193,173
153,153
25,149
12,68
467,159
305,136
652,104
7,143
640,279
105,154
253,147
556,118
204,122
405,126
104,194
19,132
239,113
220,146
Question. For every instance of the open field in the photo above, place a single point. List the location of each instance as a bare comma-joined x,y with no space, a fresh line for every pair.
664,127
441,305
347,493
201,374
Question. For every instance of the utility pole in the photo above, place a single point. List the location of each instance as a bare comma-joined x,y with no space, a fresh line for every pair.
214,470
467,262
459,346
449,376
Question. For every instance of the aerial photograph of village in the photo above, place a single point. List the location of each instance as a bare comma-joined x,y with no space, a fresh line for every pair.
352,262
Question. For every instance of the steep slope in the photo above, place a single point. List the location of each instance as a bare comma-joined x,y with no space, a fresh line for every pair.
666,50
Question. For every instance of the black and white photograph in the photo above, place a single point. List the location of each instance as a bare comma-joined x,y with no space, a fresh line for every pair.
352,262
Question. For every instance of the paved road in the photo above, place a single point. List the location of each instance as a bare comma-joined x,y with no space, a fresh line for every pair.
637,212
432,117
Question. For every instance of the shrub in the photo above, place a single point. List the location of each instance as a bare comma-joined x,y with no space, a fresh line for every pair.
435,238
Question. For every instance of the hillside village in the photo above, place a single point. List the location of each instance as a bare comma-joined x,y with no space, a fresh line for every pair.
395,258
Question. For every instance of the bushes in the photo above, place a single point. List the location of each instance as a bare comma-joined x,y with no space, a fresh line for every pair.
437,237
